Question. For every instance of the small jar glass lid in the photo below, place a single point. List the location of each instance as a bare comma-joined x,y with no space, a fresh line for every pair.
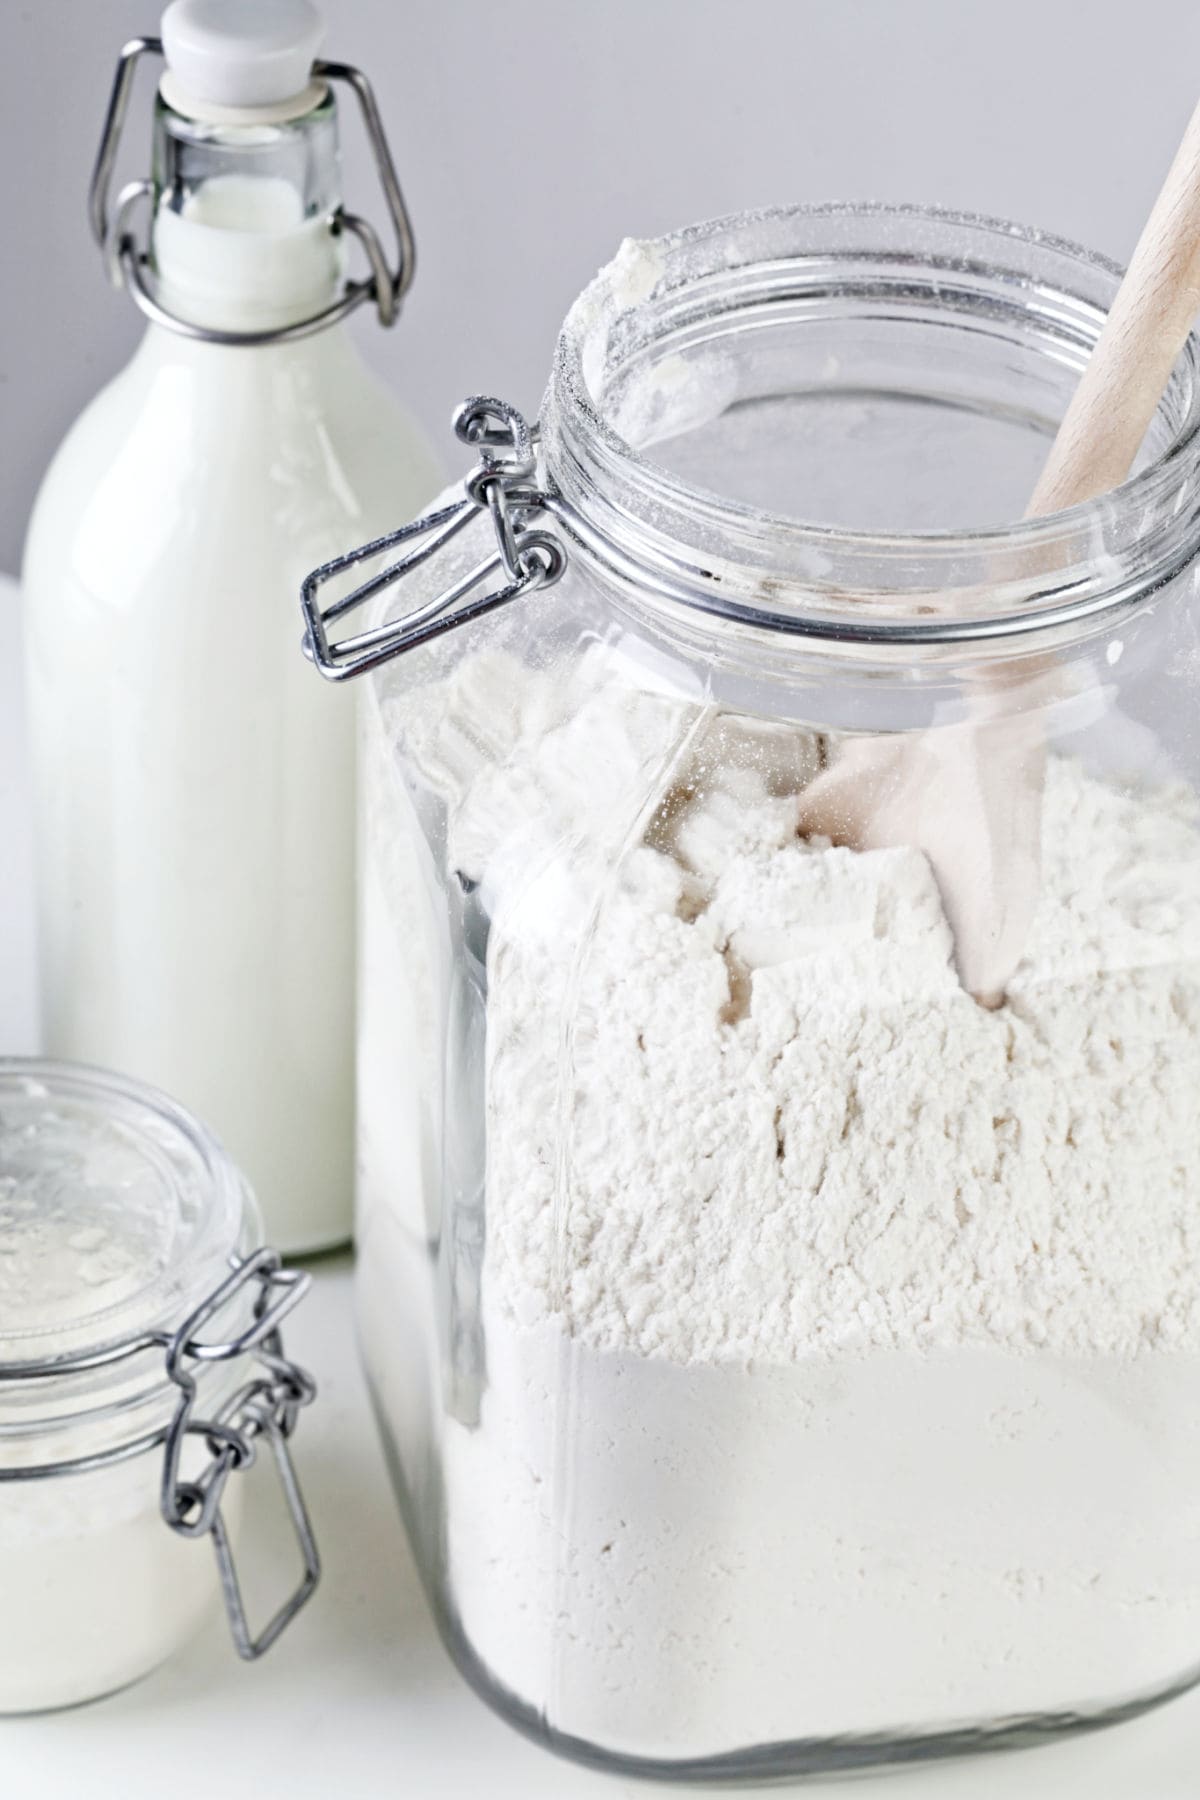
118,1211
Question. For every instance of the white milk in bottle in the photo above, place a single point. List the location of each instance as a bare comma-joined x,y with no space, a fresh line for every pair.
195,785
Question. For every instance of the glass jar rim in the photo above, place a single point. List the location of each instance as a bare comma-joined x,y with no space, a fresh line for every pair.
97,1362
1031,574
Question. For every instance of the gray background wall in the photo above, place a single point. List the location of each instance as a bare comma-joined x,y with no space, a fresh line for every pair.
532,136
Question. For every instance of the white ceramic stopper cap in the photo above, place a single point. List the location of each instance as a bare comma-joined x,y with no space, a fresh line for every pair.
241,53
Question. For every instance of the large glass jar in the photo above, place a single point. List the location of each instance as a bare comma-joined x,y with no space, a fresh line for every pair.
787,1347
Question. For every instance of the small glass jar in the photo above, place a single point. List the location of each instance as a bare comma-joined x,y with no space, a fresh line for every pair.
140,1366
789,1355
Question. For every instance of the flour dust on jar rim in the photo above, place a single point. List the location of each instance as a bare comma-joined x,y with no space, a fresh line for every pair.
142,1372
786,1362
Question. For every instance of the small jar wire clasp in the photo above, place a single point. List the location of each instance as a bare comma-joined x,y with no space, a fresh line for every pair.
265,1406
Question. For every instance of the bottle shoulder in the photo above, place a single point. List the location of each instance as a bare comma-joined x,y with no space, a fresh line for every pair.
193,445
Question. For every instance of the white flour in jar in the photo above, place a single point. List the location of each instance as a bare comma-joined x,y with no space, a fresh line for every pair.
840,1336
95,1215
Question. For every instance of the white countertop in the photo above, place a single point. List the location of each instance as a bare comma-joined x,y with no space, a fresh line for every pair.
359,1700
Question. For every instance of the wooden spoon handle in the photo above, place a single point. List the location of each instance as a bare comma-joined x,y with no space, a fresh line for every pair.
1124,378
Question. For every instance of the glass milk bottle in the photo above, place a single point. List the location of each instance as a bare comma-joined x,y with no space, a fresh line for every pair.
194,789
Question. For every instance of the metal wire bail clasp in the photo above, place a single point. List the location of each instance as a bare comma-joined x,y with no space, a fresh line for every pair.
265,1406
128,261
527,555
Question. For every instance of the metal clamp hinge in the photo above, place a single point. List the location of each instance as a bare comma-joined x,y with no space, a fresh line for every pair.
527,555
265,1406
128,262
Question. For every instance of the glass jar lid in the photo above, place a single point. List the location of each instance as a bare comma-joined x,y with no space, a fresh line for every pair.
118,1211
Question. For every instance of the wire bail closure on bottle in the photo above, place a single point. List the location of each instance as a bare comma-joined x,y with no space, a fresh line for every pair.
265,1406
128,262
527,555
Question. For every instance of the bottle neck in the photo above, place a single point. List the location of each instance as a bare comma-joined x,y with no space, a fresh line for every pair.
244,223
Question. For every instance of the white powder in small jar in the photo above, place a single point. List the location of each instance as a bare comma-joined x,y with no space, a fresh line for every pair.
117,1215
840,1336
97,1591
